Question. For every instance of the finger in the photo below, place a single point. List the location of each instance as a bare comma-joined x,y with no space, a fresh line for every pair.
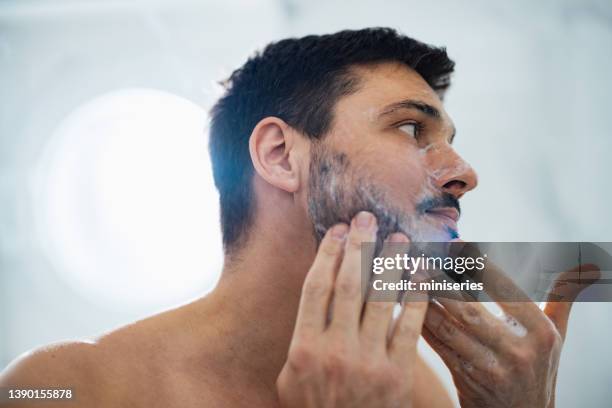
347,289
506,293
462,369
564,292
449,331
451,358
378,313
319,283
512,300
477,320
408,326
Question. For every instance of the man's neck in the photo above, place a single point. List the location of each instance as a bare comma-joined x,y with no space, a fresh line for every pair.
252,311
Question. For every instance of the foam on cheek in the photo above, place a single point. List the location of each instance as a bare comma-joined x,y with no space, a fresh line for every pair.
422,229
432,174
340,189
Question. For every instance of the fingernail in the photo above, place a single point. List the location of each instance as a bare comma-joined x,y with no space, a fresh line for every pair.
339,231
364,220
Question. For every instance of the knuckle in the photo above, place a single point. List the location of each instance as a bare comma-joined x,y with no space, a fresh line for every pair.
446,330
470,313
348,287
315,288
522,357
492,334
490,360
407,330
336,366
498,375
373,372
548,337
394,379
354,241
301,358
285,380
329,248
365,370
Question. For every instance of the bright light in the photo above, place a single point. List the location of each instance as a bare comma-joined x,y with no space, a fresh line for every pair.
128,209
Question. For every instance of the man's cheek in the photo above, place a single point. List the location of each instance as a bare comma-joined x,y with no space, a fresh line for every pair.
407,184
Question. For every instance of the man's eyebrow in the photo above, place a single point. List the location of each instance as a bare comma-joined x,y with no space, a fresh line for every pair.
426,108
421,106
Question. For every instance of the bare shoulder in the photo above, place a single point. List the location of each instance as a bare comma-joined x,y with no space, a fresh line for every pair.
118,367
50,364
67,365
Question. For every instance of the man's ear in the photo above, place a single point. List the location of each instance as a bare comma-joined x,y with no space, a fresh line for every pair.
272,147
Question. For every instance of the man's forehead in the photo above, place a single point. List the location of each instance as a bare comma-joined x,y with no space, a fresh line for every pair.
385,85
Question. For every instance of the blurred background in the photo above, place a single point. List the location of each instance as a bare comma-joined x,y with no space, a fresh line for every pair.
107,207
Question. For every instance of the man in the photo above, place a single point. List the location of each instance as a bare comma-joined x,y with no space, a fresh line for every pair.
319,144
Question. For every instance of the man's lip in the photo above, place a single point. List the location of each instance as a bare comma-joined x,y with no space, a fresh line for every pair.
447,212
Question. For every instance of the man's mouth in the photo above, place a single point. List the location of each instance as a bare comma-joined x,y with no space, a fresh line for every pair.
447,217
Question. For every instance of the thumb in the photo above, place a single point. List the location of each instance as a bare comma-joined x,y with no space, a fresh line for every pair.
564,292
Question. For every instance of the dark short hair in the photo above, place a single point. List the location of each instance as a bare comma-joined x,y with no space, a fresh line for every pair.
299,80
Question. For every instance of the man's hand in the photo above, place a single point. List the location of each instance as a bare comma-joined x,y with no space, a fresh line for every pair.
347,358
493,364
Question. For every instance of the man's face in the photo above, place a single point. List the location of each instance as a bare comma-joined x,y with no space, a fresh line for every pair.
389,151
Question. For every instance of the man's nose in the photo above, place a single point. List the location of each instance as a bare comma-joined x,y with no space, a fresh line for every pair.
456,176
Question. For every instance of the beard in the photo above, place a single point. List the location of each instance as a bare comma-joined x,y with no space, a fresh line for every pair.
338,191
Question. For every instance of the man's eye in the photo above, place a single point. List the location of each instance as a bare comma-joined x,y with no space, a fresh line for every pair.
410,128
